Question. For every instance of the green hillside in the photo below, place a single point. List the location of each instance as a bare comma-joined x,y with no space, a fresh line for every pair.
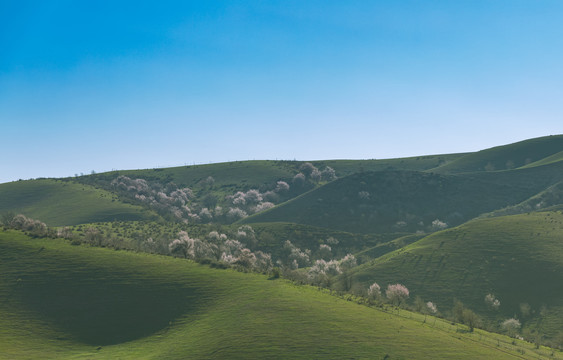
550,198
506,157
59,301
547,160
59,203
391,201
517,258
241,175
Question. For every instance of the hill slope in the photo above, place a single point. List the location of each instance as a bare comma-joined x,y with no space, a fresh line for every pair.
60,203
506,157
60,301
395,201
517,258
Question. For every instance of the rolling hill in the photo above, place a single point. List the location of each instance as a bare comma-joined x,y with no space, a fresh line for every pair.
62,301
507,157
517,258
58,203
389,201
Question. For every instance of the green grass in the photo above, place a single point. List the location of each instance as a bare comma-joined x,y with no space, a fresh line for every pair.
517,258
257,173
507,156
416,198
57,203
547,160
551,198
77,302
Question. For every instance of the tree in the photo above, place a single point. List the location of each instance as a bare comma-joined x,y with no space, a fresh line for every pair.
374,291
325,252
7,218
511,326
179,247
348,262
457,311
307,168
397,294
299,180
282,186
470,319
492,302
328,174
432,308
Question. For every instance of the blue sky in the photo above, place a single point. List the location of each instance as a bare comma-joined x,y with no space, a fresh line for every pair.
104,85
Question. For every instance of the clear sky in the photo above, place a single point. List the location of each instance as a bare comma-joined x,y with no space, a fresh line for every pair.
101,85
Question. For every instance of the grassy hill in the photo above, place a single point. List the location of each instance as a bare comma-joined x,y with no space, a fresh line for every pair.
389,201
243,175
517,258
59,203
547,160
62,301
550,198
506,157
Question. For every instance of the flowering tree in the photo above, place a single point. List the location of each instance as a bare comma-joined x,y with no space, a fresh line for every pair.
235,214
492,302
511,326
439,225
348,262
328,174
282,186
307,168
316,175
397,294
299,179
432,308
374,291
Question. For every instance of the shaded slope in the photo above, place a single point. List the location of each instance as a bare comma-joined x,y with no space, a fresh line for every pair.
507,156
551,198
547,160
59,203
517,258
395,201
224,314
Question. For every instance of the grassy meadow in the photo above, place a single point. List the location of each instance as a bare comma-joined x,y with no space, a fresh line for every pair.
519,259
78,302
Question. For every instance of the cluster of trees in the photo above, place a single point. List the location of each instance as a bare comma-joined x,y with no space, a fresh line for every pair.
165,199
317,268
32,227
322,271
253,201
182,204
309,172
219,248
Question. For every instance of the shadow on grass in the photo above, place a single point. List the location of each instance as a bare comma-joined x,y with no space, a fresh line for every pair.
105,309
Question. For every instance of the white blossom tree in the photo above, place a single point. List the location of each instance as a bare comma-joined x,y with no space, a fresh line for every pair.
397,294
